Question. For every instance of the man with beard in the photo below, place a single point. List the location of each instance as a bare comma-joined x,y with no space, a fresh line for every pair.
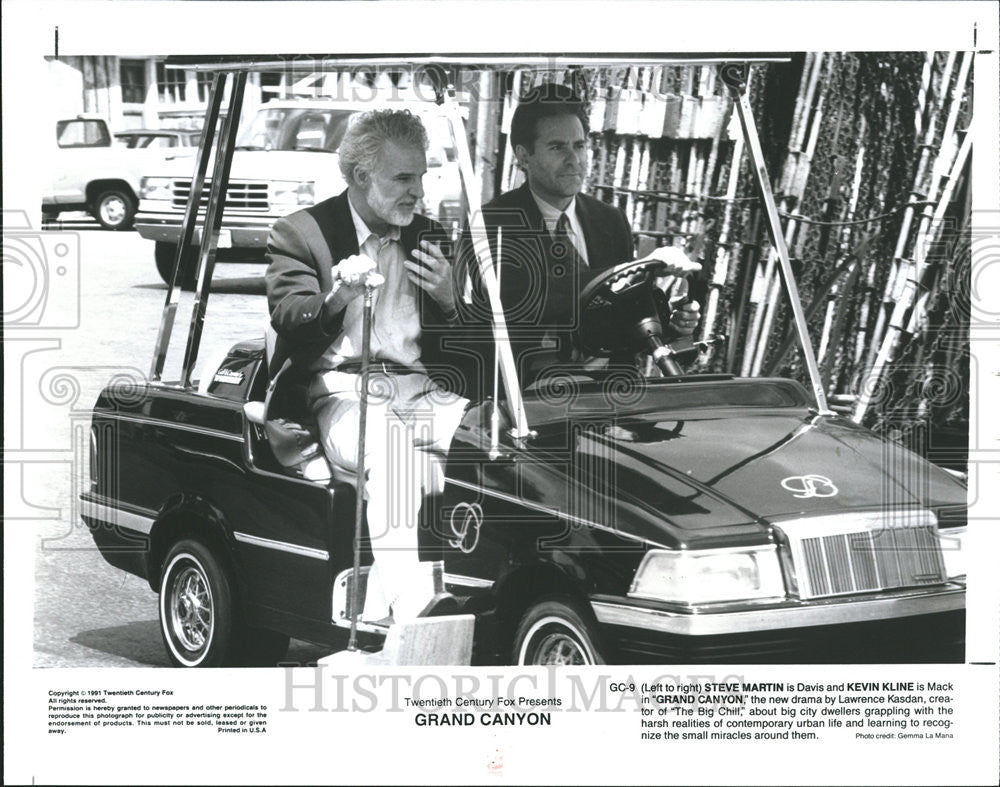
320,261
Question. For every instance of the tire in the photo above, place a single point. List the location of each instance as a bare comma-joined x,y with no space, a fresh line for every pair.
557,631
164,254
198,616
114,209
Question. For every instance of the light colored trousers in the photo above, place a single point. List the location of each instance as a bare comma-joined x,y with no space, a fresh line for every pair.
409,420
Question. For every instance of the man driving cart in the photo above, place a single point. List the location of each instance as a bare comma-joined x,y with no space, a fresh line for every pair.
553,238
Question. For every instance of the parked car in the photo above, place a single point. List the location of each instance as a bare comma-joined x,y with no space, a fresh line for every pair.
92,171
608,517
286,159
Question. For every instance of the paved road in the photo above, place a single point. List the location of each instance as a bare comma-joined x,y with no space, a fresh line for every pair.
87,613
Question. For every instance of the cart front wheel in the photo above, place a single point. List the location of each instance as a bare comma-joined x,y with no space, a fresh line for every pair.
556,631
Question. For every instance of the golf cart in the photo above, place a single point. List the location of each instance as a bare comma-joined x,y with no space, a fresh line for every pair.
607,517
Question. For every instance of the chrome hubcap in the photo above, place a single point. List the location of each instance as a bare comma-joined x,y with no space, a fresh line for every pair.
113,210
191,609
560,648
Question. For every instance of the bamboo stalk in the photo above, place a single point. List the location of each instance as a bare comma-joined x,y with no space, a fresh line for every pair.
748,259
948,137
906,298
762,326
945,157
687,80
773,299
827,325
691,188
758,293
925,83
811,311
720,273
801,122
934,230
675,173
848,235
765,313
863,340
702,78
897,273
620,156
633,179
840,316
762,289
602,161
642,206
712,161
807,84
702,163
710,80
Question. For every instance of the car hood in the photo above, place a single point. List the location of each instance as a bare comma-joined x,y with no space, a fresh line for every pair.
261,165
728,474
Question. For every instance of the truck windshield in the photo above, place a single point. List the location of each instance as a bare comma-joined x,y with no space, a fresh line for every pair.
296,129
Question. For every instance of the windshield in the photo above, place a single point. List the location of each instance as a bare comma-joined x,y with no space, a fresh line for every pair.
296,129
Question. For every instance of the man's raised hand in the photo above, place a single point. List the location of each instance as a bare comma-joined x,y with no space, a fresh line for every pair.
432,274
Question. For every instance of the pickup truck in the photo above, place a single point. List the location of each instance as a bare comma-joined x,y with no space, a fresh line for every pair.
285,159
92,171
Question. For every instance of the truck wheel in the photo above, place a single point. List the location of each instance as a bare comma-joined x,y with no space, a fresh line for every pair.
164,255
114,209
197,608
556,631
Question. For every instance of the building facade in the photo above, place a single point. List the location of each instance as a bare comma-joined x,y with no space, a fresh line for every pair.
136,92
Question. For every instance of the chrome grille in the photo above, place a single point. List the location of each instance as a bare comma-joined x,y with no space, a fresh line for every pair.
857,553
241,195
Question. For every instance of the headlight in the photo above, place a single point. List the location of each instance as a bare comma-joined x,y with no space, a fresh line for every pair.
706,576
292,192
156,188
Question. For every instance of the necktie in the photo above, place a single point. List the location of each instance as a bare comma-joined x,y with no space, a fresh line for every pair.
562,231
566,280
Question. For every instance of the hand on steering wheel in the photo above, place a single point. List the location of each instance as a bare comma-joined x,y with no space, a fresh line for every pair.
673,261
621,309
684,317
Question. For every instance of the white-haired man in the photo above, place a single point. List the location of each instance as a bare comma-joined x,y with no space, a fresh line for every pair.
319,261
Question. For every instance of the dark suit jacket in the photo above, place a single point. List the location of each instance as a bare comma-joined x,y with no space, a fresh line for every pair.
301,251
540,293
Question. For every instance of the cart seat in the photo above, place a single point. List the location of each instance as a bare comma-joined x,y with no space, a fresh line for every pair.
287,426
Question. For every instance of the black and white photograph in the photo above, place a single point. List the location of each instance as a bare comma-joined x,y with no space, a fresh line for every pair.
436,383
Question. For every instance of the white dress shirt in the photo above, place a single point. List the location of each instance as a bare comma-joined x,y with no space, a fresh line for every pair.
395,314
551,214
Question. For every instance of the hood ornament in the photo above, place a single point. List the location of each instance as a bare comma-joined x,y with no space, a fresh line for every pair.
804,486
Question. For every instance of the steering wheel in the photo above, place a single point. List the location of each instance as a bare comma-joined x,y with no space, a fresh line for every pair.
622,310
